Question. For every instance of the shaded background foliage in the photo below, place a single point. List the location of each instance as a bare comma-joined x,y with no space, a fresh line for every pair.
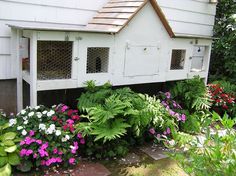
223,59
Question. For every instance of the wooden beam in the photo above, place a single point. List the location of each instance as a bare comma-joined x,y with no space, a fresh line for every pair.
33,69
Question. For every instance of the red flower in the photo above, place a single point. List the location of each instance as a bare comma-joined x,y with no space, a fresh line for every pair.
75,117
54,118
65,127
225,107
70,112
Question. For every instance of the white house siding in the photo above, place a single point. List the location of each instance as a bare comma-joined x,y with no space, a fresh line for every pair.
76,12
189,17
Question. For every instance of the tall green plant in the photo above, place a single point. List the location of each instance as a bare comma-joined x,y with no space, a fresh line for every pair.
192,93
223,59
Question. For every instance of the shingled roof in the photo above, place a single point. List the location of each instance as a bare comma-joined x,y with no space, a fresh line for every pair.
116,14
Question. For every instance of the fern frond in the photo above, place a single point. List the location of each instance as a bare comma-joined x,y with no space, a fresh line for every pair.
110,131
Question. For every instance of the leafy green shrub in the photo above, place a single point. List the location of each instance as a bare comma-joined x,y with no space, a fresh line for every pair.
111,115
8,150
192,93
212,154
223,98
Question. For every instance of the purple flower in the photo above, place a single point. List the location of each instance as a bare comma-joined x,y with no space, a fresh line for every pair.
82,141
79,135
158,136
168,95
172,113
163,103
164,133
42,152
177,115
72,160
152,131
31,132
183,117
168,131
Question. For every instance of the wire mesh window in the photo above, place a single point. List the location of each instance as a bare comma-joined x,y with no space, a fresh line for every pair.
54,59
177,59
97,60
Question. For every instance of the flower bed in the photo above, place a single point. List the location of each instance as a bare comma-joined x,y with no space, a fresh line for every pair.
48,136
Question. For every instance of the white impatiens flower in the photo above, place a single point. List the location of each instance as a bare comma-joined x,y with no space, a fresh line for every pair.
26,122
31,114
39,114
50,113
37,107
49,131
63,139
25,118
67,137
24,132
54,106
45,112
42,126
19,127
58,133
23,112
12,122
52,127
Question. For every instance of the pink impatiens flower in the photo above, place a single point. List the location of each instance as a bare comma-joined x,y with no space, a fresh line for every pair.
72,160
82,141
64,108
79,135
22,143
39,142
31,132
23,152
55,151
29,152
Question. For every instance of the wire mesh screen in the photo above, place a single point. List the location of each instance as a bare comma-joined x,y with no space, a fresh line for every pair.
177,59
97,60
54,59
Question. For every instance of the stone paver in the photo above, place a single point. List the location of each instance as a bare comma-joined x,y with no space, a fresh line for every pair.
155,152
131,158
91,169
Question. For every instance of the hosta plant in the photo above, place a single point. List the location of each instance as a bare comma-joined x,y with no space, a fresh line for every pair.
48,136
9,154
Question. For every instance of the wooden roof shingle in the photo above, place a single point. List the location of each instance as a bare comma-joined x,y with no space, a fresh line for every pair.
116,14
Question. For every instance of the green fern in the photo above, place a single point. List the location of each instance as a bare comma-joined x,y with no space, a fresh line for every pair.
110,131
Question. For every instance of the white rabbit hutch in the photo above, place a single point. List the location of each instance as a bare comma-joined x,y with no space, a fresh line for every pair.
127,42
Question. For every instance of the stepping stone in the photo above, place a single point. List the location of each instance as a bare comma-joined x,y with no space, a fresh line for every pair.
131,158
155,152
91,169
